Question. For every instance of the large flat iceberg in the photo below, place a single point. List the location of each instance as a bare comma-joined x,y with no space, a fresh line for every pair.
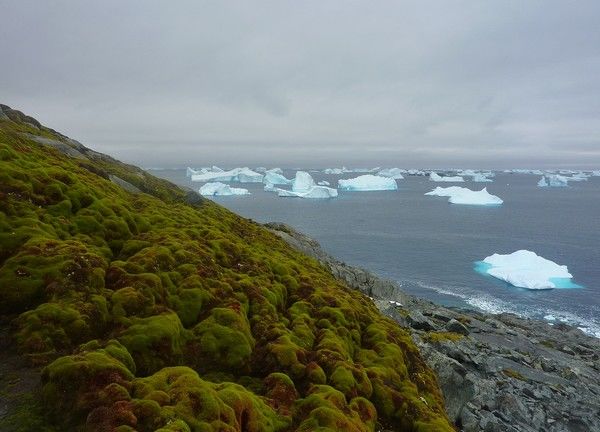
315,192
242,175
433,176
525,269
368,182
221,189
461,195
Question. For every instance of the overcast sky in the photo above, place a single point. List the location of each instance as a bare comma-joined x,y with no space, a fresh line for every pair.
425,83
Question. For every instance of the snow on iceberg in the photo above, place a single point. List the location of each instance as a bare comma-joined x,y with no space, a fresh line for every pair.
553,180
221,189
525,269
395,173
242,175
433,176
368,182
315,192
460,195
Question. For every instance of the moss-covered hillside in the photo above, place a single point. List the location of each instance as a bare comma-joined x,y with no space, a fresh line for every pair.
145,312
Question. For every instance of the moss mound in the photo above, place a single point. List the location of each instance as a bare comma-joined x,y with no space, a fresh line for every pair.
150,313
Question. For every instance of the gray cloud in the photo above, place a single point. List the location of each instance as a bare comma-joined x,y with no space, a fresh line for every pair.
429,83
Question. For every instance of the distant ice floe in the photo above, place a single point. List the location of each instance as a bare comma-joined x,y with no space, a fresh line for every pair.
525,269
395,173
416,172
435,177
190,171
242,175
344,170
461,195
275,177
303,186
221,189
523,171
553,180
368,182
477,176
323,183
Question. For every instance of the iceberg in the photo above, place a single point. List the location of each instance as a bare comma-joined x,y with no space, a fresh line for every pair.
395,173
416,172
523,171
191,172
464,196
275,178
525,269
336,171
368,182
481,178
553,180
315,192
303,186
221,189
323,183
303,182
433,176
242,175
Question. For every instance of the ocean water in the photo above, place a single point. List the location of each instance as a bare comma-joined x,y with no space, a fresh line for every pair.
432,247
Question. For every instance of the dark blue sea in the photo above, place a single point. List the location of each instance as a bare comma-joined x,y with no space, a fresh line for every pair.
430,246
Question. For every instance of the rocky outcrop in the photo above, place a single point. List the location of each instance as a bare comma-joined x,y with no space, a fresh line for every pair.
497,372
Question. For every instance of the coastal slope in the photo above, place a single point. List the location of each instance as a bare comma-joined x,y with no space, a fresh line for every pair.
139,306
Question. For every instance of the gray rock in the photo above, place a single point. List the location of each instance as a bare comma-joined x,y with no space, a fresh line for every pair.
457,327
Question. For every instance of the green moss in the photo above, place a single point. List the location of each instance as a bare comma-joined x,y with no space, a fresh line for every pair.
442,336
226,338
155,342
277,341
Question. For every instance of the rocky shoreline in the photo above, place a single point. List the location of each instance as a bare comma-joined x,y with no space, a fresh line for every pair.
497,372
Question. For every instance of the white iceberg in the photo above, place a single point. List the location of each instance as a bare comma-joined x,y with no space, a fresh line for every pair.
523,171
464,196
242,175
416,172
315,192
368,182
303,186
335,171
221,189
481,178
395,173
433,176
580,176
303,182
553,180
275,178
525,269
323,183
